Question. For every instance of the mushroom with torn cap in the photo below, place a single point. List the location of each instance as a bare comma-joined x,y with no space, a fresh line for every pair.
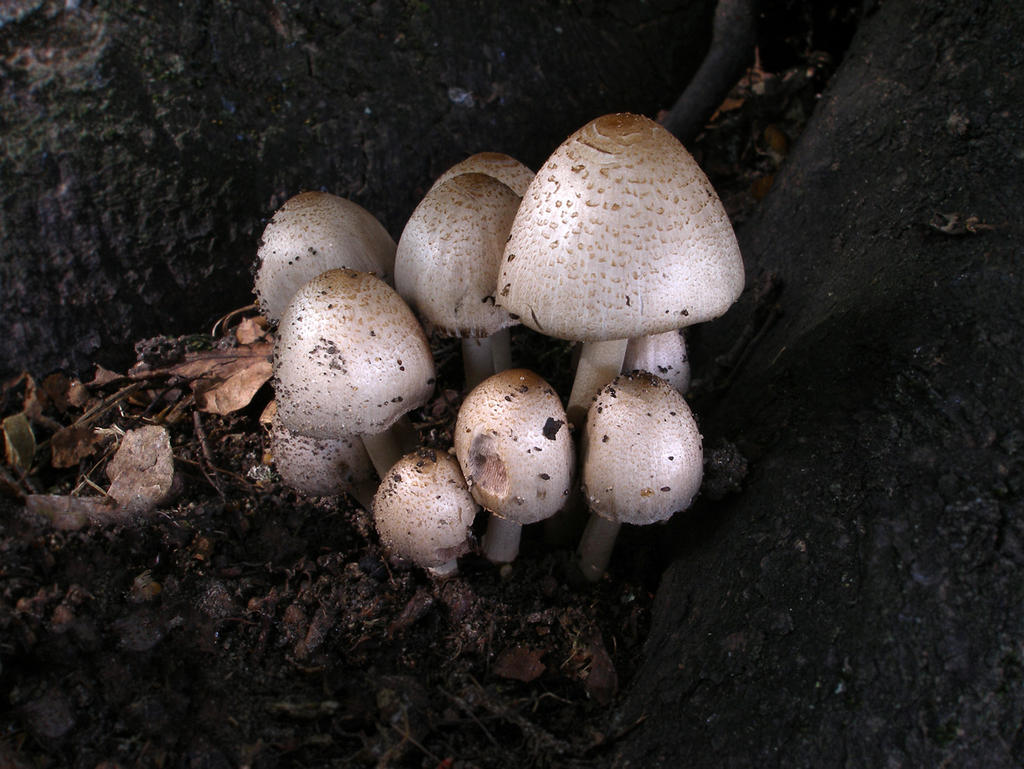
311,233
619,235
351,359
423,511
515,449
447,262
642,461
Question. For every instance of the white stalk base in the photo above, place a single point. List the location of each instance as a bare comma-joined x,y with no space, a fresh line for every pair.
596,545
600,363
501,541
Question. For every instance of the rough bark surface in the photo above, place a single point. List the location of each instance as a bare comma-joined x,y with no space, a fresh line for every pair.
145,144
860,602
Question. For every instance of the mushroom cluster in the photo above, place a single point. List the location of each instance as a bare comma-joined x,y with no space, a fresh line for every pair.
618,243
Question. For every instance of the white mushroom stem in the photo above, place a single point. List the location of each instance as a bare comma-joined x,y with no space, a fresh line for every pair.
388,447
501,541
596,545
485,355
600,363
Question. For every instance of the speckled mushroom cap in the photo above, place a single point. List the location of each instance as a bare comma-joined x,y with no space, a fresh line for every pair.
422,509
514,446
350,357
620,234
314,232
318,466
504,168
448,257
661,354
643,459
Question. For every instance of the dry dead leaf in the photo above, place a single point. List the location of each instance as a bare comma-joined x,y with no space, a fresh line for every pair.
69,445
70,513
520,664
251,330
142,470
602,682
226,380
19,441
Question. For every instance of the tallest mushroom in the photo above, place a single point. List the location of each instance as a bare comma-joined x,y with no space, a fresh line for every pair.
619,235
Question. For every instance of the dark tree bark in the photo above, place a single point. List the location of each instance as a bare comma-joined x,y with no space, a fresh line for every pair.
860,602
146,144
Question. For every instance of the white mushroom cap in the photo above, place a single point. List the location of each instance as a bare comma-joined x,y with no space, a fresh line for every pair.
448,257
423,511
350,357
662,354
314,232
620,234
512,440
319,466
504,168
643,459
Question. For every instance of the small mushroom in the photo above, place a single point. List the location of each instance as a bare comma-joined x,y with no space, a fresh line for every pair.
505,168
513,443
423,511
619,235
321,466
642,462
311,233
351,359
447,264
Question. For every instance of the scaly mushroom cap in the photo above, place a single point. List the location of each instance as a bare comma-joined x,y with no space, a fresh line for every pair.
642,459
513,442
504,168
422,509
314,232
350,357
620,234
318,466
661,354
448,257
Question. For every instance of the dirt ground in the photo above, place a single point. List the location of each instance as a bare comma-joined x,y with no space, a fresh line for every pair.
241,624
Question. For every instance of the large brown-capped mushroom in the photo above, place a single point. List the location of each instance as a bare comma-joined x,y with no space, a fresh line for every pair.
642,461
514,446
447,263
619,235
505,168
423,511
314,232
351,359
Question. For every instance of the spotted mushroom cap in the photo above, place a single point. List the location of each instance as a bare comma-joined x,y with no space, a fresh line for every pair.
662,354
642,459
448,257
350,357
512,440
318,466
504,168
314,232
422,509
620,234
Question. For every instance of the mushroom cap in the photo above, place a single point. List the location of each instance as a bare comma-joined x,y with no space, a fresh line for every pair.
311,233
318,466
448,256
620,234
513,443
423,510
350,357
504,168
642,459
662,354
